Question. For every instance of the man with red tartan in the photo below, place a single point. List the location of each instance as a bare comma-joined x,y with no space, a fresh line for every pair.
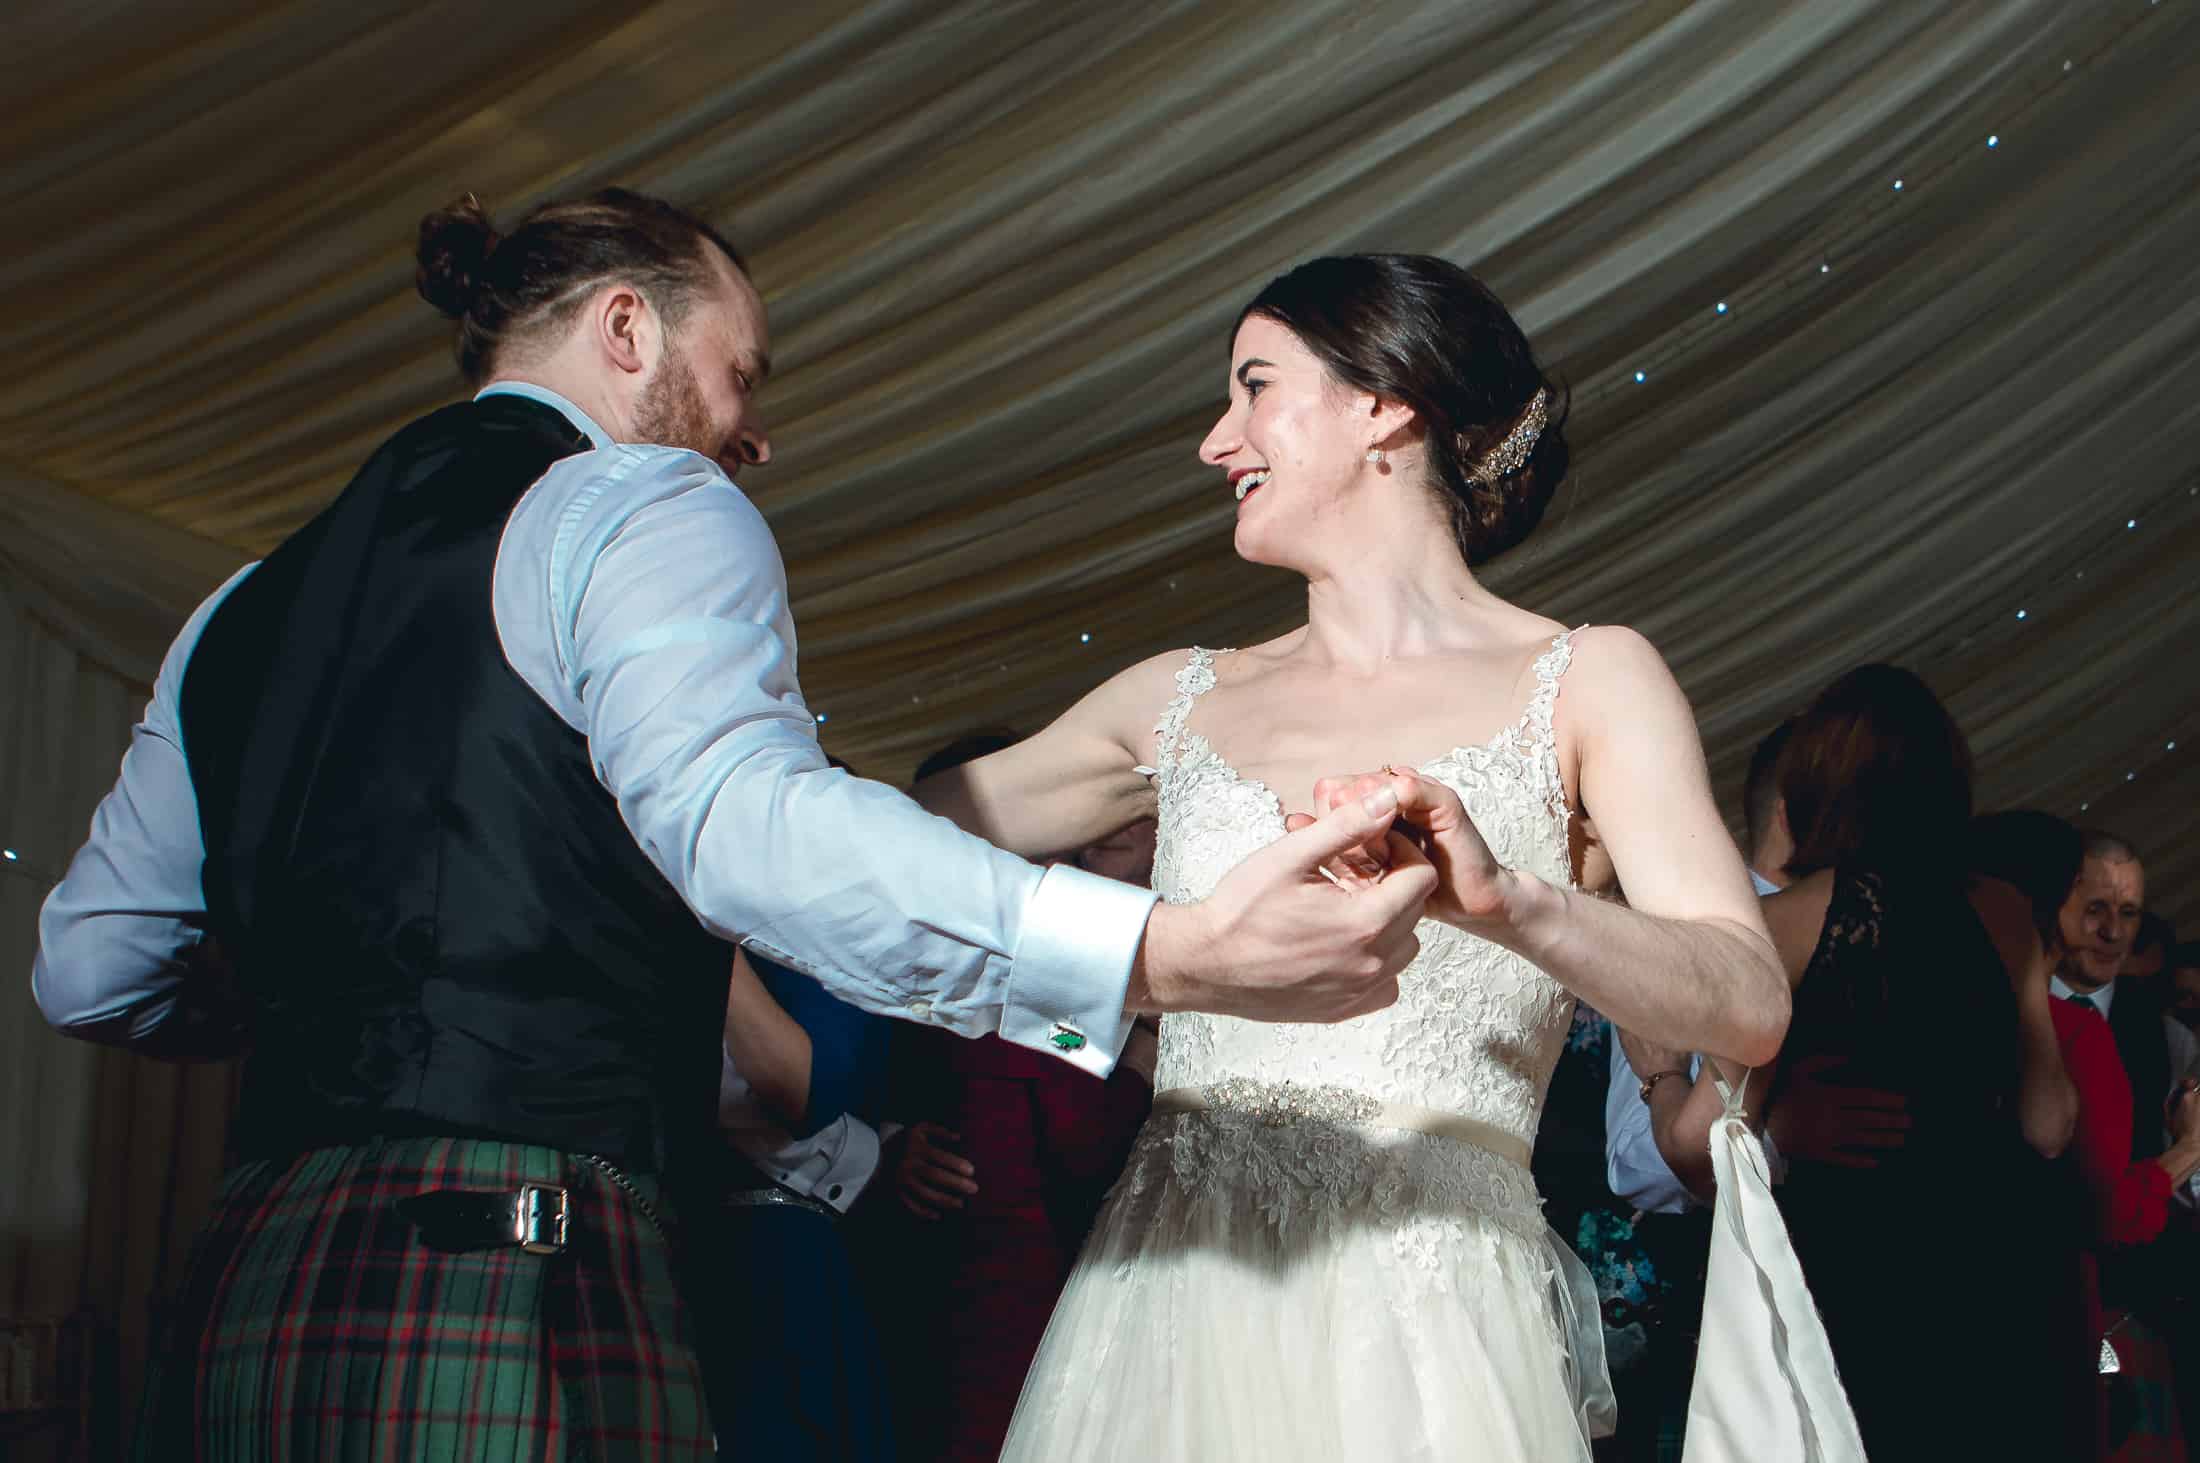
1008,1183
445,812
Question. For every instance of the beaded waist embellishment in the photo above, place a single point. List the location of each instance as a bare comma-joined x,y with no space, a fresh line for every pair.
1283,1104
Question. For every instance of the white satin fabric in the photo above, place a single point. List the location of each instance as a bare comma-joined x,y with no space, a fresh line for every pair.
1766,1389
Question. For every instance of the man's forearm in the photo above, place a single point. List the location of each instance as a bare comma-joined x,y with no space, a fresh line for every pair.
1682,1127
1175,937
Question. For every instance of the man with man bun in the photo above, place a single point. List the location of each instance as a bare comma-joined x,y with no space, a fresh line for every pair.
446,812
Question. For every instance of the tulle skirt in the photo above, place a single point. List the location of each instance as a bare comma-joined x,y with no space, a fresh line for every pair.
1316,1292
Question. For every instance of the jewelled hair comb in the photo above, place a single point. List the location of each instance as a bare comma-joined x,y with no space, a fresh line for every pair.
1507,456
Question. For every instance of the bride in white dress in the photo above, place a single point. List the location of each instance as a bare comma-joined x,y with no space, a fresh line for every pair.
1327,1244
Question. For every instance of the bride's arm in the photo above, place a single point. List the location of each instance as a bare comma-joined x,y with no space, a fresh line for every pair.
1687,962
1684,1111
1072,784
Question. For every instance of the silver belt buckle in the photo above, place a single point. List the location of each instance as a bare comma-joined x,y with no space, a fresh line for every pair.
540,1218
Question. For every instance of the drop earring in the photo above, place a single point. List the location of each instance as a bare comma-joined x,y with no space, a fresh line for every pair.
1375,455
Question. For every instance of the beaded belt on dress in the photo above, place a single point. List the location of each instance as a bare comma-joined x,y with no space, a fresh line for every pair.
1279,1104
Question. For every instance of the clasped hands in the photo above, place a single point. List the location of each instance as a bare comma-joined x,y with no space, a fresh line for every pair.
1317,926
1432,826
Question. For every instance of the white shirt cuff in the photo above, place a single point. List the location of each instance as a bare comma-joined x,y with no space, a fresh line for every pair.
1073,968
832,1165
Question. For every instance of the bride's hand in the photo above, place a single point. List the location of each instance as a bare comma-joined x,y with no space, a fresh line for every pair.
1471,884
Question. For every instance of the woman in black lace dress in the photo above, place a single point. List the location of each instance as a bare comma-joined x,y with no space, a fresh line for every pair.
1923,1208
1927,1256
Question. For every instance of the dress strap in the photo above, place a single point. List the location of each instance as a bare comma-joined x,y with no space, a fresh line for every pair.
1550,666
1196,678
1534,737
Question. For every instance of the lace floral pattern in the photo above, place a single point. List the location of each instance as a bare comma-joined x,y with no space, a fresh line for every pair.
1476,1029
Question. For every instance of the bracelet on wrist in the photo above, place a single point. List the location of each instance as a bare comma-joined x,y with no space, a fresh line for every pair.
1650,1083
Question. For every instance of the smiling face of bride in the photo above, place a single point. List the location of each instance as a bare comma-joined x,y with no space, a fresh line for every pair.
1407,353
1293,446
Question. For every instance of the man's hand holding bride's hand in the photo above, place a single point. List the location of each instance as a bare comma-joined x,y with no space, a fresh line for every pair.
1472,887
1278,940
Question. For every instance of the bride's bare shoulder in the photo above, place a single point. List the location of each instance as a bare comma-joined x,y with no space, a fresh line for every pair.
1617,655
1616,678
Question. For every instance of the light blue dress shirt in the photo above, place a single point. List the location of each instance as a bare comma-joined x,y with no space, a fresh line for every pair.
641,595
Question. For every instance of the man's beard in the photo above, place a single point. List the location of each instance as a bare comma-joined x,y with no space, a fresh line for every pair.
670,411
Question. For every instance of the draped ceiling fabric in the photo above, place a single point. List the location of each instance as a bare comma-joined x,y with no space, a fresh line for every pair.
1002,243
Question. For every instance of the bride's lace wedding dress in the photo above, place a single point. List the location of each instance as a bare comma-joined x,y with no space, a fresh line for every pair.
1326,1244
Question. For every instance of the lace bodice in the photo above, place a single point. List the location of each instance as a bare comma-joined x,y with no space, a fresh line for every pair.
1476,1029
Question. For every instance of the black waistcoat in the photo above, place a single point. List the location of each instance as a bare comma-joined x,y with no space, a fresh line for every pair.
437,917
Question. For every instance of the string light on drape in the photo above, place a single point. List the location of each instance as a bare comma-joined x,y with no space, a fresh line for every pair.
2094,555
1852,231
15,861
1901,185
2169,745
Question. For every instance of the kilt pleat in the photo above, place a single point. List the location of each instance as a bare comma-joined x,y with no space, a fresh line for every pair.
315,1325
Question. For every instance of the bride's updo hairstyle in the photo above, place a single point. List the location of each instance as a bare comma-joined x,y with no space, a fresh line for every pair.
1419,330
516,288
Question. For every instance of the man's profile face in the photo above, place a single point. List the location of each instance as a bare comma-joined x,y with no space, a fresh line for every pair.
702,394
2099,919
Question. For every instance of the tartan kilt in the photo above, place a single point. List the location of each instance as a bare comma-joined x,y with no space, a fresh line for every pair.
315,1325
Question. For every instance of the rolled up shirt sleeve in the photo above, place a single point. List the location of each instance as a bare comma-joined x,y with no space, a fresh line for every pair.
642,596
121,939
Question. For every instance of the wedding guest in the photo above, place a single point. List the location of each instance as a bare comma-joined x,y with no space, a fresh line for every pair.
795,1372
2126,1201
1045,1152
1648,1276
2097,925
1036,1157
2148,1290
1898,982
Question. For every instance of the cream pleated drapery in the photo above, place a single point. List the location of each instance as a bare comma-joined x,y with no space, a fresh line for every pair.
1002,242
